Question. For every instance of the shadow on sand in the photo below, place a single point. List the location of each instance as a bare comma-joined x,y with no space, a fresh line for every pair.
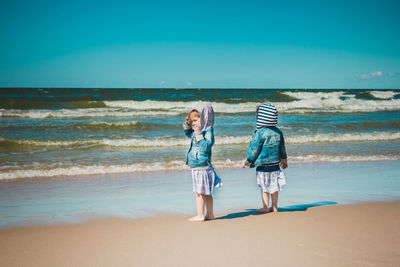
301,207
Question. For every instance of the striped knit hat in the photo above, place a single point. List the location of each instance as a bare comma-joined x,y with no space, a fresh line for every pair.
267,115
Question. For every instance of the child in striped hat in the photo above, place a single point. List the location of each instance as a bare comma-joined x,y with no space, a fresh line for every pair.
267,153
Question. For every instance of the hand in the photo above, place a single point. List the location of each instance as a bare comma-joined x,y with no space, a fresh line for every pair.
244,163
283,163
188,121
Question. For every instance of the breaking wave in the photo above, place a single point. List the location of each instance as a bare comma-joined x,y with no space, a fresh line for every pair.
301,102
82,113
383,94
223,140
169,166
309,102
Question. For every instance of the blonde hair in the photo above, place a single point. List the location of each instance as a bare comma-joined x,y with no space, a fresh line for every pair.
194,111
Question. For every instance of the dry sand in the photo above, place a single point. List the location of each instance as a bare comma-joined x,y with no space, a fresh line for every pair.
359,235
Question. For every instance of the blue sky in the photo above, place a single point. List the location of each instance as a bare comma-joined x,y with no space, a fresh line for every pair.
200,44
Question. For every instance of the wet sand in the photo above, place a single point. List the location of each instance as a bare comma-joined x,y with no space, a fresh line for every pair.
338,235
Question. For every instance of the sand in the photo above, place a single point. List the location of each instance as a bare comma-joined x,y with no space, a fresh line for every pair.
339,235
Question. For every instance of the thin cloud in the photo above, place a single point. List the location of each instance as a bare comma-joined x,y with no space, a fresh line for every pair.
377,75
162,82
394,74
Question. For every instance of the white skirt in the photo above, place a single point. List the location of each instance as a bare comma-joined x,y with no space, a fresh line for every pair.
205,180
271,182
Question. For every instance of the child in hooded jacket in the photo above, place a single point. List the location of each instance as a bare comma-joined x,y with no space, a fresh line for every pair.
199,127
267,153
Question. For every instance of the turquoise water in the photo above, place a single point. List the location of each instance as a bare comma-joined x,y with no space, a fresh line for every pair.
67,155
53,132
71,200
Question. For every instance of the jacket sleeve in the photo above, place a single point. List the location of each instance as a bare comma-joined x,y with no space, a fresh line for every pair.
282,149
205,140
254,148
188,130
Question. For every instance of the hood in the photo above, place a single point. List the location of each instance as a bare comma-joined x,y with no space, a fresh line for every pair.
206,115
267,115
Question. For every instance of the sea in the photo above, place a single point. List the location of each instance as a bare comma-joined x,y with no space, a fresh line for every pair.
64,132
75,152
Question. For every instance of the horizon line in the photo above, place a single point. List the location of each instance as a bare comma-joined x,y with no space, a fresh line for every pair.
200,88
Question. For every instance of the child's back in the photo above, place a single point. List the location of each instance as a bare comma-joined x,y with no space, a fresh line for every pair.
267,152
267,147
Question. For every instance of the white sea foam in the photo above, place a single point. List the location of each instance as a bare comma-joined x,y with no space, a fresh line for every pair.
91,170
82,113
346,137
383,94
306,102
221,140
180,106
341,158
114,123
132,142
168,166
334,102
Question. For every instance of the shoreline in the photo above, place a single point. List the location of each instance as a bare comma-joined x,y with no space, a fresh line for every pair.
75,199
339,235
183,168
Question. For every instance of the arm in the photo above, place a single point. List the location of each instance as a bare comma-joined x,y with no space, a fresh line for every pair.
254,149
205,139
187,128
188,132
282,153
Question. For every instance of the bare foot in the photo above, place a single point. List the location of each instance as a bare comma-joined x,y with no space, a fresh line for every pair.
262,210
209,217
273,209
197,218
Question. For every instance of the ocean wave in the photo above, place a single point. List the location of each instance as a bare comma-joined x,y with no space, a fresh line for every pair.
91,170
383,94
311,102
302,102
82,113
94,126
111,125
341,158
168,166
344,137
128,143
222,140
306,102
181,106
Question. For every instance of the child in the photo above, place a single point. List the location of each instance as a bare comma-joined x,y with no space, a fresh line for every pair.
267,151
199,127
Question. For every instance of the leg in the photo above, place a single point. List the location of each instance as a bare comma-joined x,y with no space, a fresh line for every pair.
209,207
200,209
265,201
274,198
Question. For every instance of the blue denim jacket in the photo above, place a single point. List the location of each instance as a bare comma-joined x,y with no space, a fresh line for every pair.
199,153
267,146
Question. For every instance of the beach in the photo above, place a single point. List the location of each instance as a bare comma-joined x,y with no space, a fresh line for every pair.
341,235
149,133
97,177
78,199
331,214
